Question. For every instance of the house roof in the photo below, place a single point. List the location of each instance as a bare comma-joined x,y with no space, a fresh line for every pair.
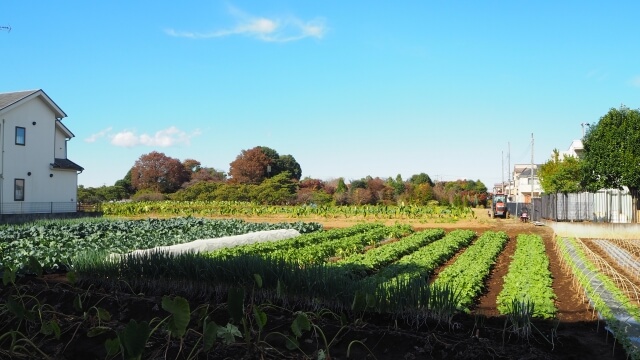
527,172
13,99
65,164
64,129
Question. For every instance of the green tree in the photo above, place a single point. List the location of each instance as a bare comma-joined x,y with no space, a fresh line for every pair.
125,183
397,185
288,163
280,163
277,190
421,178
341,188
560,175
422,194
204,190
612,151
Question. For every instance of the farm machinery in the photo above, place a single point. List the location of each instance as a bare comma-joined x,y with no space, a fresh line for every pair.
499,206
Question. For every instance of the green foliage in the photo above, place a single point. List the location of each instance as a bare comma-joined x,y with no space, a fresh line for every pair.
421,263
341,187
278,189
421,178
92,195
54,244
379,257
529,279
200,191
561,175
432,212
229,333
133,339
209,334
467,274
288,163
180,315
235,304
611,151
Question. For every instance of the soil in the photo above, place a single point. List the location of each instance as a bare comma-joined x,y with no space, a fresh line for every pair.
483,334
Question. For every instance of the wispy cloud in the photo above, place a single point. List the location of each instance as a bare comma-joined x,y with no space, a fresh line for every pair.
635,81
93,137
273,29
171,136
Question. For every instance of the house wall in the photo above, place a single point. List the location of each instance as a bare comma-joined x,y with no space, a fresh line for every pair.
523,189
34,157
60,145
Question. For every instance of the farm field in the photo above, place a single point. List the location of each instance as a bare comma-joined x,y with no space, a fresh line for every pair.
269,327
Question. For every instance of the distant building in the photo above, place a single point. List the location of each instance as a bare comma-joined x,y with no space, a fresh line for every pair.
521,190
576,149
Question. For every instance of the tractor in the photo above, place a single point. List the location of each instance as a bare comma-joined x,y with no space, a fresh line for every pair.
499,206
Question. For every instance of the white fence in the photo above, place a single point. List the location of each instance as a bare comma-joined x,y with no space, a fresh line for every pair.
606,205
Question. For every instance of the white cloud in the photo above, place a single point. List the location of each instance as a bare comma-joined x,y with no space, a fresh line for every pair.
636,81
93,137
170,136
276,29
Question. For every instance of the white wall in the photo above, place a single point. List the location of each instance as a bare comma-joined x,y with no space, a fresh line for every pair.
35,156
60,145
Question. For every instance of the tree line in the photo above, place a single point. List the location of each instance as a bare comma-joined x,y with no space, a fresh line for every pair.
263,176
610,159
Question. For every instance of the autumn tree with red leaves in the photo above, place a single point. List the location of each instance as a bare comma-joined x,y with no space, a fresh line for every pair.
255,165
157,172
250,167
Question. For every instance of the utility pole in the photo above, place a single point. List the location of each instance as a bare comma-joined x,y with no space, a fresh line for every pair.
502,172
509,166
583,125
533,204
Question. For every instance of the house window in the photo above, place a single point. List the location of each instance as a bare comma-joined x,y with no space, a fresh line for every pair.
18,190
20,135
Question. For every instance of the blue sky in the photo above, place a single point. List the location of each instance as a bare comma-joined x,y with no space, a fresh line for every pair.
349,89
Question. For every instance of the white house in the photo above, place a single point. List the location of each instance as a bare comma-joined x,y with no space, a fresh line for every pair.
35,174
522,190
575,149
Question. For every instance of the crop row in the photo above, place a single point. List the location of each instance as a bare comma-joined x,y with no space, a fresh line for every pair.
467,274
244,209
529,279
297,242
322,252
422,263
379,257
54,243
600,289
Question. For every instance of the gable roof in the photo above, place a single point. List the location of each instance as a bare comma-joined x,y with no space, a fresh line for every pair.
14,99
